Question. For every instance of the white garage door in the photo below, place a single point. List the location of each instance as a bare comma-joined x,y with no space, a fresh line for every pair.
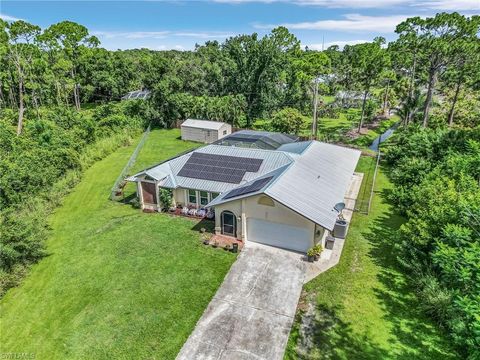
280,235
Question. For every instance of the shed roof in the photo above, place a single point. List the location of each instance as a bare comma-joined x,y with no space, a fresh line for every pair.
203,124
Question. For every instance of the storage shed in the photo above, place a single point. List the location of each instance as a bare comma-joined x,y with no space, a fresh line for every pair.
204,131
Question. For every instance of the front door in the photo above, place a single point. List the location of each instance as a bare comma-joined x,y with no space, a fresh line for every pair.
228,223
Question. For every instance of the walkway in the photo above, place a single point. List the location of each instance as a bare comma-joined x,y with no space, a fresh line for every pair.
251,315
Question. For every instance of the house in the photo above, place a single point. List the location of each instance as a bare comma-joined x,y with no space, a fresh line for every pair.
204,131
257,139
283,197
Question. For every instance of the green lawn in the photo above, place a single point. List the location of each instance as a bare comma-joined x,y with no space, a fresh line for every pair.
161,142
363,308
117,283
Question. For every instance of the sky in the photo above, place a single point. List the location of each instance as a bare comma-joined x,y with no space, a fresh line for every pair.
168,24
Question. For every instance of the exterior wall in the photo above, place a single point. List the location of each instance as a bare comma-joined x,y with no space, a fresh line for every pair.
200,135
225,130
180,197
250,208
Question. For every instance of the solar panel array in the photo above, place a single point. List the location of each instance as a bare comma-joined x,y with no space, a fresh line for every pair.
255,186
223,168
139,94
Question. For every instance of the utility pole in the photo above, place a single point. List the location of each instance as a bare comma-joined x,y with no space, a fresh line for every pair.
315,103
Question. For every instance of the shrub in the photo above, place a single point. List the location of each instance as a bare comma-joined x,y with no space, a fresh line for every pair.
289,121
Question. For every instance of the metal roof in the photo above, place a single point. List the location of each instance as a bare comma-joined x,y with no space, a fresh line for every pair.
312,184
316,181
138,94
296,147
309,179
203,124
257,139
167,172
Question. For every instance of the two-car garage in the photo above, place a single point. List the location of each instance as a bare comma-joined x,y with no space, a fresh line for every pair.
279,235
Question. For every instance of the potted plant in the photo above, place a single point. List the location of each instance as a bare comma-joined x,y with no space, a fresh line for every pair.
310,255
215,244
227,247
318,250
206,241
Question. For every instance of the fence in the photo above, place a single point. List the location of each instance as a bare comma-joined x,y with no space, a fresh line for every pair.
120,182
365,196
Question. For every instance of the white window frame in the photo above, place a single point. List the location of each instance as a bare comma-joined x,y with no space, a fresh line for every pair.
194,194
207,197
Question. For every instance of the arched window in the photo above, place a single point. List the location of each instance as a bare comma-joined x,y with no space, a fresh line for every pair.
229,223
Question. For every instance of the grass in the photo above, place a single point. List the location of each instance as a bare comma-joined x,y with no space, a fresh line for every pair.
366,139
364,308
161,141
117,283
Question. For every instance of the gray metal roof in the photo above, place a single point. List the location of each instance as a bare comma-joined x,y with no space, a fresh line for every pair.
167,172
309,179
203,124
295,147
316,181
313,183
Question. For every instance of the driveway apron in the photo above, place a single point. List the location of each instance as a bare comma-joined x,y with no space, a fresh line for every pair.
252,312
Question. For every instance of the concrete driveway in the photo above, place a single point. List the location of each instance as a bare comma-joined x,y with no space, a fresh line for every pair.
252,312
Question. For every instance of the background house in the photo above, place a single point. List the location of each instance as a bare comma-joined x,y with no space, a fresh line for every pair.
204,131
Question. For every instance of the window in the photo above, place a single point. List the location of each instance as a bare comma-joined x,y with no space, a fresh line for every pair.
213,195
192,196
203,198
224,132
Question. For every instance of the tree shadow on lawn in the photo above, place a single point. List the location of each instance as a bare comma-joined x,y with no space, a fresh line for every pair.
414,334
208,225
328,337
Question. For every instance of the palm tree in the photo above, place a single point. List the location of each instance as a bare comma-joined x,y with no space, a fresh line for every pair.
411,106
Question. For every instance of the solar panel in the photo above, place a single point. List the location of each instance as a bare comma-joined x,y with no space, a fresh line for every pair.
255,186
223,168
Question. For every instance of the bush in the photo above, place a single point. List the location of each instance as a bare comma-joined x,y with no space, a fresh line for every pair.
40,167
288,121
435,173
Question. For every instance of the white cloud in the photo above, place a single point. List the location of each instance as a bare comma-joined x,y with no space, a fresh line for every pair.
452,5
351,23
351,3
340,43
8,17
160,34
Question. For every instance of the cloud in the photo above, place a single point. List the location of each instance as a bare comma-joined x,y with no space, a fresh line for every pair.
456,5
8,17
340,43
160,34
351,23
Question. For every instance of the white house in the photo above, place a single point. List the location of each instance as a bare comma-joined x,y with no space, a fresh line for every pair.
283,197
204,131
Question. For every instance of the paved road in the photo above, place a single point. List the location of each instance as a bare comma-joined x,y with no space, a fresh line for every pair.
251,315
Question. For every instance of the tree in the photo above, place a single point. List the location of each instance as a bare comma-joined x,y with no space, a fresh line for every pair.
289,121
70,37
368,62
259,70
21,52
463,73
439,40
